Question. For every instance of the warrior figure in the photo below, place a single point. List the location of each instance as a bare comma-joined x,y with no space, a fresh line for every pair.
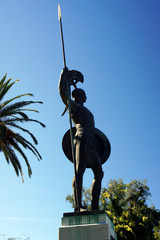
84,144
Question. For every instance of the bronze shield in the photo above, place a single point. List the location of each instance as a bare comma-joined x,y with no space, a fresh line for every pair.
102,143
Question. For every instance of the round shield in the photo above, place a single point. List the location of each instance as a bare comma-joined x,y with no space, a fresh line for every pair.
102,144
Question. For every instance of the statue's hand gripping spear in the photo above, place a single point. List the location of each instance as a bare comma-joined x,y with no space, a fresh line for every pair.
73,77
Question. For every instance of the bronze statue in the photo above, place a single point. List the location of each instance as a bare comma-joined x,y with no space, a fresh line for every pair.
91,146
84,145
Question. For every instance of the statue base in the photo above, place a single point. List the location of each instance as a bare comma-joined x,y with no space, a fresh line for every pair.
88,225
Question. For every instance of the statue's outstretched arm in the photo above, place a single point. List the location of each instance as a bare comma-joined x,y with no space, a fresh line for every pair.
62,87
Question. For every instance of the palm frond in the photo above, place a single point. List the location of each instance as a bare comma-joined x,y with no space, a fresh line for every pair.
5,87
14,160
24,130
3,131
5,113
7,120
12,99
3,79
28,109
16,146
33,120
27,144
23,115
13,114
15,119
16,106
5,152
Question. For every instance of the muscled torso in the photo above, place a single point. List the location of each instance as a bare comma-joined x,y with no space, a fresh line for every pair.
83,119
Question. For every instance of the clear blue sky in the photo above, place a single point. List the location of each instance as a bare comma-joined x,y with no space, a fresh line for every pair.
116,45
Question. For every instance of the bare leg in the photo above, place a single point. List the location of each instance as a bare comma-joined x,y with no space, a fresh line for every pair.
80,169
96,185
77,193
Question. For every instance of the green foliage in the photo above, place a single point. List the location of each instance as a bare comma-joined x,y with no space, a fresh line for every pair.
157,232
126,205
12,115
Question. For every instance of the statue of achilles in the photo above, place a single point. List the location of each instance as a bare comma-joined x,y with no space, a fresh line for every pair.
91,146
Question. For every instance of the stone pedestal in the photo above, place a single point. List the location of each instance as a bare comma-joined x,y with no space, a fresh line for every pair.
89,225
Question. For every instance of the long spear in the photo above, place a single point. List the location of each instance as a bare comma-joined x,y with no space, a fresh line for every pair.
69,106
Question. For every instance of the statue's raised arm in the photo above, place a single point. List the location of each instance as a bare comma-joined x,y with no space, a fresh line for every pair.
62,87
70,77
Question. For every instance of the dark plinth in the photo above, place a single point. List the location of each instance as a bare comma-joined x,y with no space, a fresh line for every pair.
70,214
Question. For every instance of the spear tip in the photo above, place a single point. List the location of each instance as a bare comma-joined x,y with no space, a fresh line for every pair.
59,12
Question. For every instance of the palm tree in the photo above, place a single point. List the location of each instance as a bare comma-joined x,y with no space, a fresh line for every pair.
12,115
